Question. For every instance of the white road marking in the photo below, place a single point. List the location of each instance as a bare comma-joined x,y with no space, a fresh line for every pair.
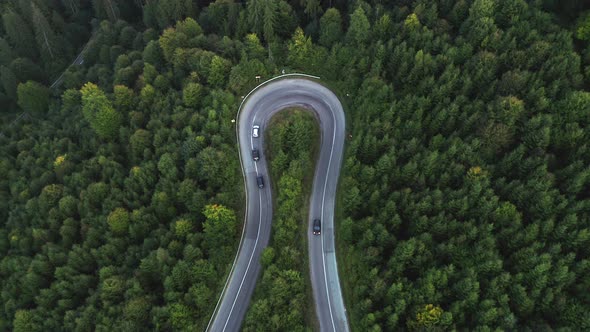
249,261
322,236
260,216
223,292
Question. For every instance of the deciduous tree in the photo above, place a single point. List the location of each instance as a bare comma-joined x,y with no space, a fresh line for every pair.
33,97
99,112
118,221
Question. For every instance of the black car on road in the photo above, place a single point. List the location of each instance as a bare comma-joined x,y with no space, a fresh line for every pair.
260,182
317,227
255,155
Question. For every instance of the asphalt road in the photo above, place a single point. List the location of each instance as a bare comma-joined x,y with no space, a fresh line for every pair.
258,108
77,61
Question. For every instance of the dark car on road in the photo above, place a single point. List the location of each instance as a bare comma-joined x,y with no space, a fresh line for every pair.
317,227
260,182
255,155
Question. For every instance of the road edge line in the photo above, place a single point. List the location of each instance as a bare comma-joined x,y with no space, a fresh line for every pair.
223,292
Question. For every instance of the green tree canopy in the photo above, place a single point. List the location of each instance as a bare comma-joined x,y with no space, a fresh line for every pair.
99,112
583,27
191,94
220,223
33,97
118,221
360,28
330,27
20,34
300,49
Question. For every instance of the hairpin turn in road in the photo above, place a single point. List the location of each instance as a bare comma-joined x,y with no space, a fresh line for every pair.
256,110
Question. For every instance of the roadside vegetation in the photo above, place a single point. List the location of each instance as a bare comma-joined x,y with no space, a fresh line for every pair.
283,293
39,39
464,195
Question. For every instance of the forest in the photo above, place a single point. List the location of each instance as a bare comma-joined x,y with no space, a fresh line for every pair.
464,199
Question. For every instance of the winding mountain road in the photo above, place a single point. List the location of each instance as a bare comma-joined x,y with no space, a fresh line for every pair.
258,107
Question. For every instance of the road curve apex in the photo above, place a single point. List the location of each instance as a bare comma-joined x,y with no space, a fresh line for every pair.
256,108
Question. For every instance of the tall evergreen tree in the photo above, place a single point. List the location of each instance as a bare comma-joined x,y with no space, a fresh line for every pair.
270,21
169,11
8,80
262,16
6,54
20,34
46,38
313,8
359,29
72,6
330,27
300,49
106,9
255,9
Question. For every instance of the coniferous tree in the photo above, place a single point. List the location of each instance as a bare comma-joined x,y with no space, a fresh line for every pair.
270,21
313,8
47,41
106,9
359,29
20,34
256,15
6,53
73,6
330,27
9,82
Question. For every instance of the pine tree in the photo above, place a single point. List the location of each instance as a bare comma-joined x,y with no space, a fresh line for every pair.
8,80
313,8
6,54
359,29
300,49
270,21
330,27
73,6
20,34
46,38
255,10
169,11
106,8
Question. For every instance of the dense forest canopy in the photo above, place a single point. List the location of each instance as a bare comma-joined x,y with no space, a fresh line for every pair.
464,201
